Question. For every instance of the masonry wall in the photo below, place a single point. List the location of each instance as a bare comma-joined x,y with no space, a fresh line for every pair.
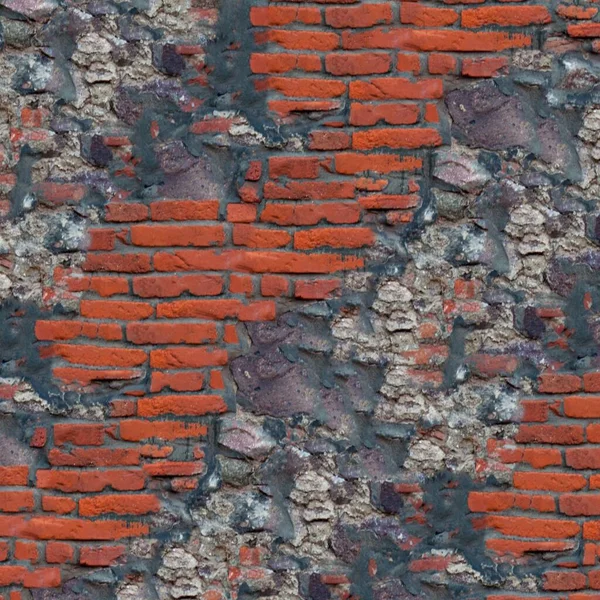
299,300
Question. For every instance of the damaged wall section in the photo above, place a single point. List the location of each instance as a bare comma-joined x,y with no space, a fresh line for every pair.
299,300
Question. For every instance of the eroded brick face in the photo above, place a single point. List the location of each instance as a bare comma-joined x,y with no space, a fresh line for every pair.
299,300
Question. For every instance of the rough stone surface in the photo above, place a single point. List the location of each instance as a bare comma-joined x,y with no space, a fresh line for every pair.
299,300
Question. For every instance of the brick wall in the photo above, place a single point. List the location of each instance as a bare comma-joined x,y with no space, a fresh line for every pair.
289,160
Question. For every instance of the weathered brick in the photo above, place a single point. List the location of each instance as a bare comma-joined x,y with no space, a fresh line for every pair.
102,556
135,430
365,15
120,504
171,333
505,16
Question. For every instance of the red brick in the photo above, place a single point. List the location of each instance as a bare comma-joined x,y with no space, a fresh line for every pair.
26,551
339,237
559,383
60,528
591,382
295,190
109,286
593,433
39,578
431,114
591,530
62,193
114,309
539,458
58,504
171,469
185,210
388,201
316,289
121,212
32,117
182,381
518,548
311,214
393,114
119,504
555,482
490,501
365,15
295,167
441,64
594,583
534,411
218,309
241,284
407,62
366,63
286,107
88,376
300,40
172,286
254,262
351,163
529,528
102,556
59,552
582,407
171,333
274,285
80,434
101,239
250,556
249,193
96,355
577,505
505,16
181,405
14,476
564,580
484,67
39,437
86,457
177,235
137,430
254,171
68,330
391,88
583,458
576,12
263,16
550,434
433,563
216,380
94,481
422,16
303,87
120,263
122,408
257,237
395,138
182,358
241,213
283,63
329,140
16,501
432,40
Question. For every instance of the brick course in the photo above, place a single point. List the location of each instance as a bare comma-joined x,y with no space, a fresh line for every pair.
168,283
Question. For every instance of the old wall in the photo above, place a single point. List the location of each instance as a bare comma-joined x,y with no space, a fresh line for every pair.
299,300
